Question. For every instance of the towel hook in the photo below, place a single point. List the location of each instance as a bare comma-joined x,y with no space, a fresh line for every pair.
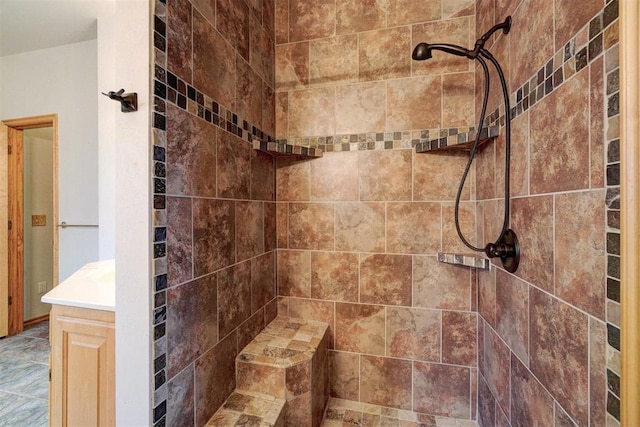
128,101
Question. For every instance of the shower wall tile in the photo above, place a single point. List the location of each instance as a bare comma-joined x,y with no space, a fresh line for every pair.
458,8
294,273
191,322
268,110
282,21
457,90
401,12
282,114
487,296
179,240
580,250
512,313
233,167
560,332
360,227
263,280
311,226
571,16
360,108
597,115
486,181
292,66
557,161
531,404
312,112
333,60
415,103
413,333
385,175
384,54
334,177
359,15
413,228
262,53
519,162
385,382
213,235
360,328
248,92
180,410
503,9
485,16
495,367
486,405
467,221
311,20
282,221
263,178
249,229
321,311
334,276
454,31
207,8
385,279
232,21
179,39
597,375
442,390
441,286
190,155
234,297
435,178
344,369
533,218
292,179
459,343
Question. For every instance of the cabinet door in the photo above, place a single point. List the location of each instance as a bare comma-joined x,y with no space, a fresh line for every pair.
82,372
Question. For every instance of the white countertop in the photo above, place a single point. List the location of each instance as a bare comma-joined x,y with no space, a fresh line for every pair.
93,286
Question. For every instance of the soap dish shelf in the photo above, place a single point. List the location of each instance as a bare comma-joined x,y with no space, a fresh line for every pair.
460,143
466,260
281,149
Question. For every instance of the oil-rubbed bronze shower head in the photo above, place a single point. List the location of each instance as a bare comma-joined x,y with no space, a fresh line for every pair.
424,51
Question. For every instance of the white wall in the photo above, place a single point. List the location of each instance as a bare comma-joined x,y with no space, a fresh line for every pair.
63,80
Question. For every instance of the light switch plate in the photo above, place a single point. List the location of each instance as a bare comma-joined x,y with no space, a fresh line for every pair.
38,220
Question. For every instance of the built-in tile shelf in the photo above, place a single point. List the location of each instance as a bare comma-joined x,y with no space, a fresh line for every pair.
282,149
459,143
466,260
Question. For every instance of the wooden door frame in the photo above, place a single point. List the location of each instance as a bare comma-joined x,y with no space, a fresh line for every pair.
11,132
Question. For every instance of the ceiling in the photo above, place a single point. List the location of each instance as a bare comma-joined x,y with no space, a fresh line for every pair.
27,25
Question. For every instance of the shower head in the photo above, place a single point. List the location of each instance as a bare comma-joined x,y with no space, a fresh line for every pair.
424,50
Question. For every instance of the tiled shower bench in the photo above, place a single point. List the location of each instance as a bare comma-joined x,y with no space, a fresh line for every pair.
282,377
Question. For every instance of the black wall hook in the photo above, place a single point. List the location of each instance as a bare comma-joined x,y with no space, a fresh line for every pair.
128,101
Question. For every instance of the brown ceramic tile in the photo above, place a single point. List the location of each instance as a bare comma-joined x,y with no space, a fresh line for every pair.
486,405
451,242
413,333
312,112
596,121
532,220
485,16
459,338
180,406
402,12
385,175
179,39
333,60
191,322
486,173
559,159
562,419
407,105
334,276
232,21
249,229
299,411
179,242
262,51
311,226
282,224
597,374
487,296
385,54
268,17
213,235
294,273
385,279
457,8
442,390
413,228
298,379
233,166
207,8
268,110
519,161
505,8
500,51
270,224
282,115
345,375
495,367
215,378
321,311
360,108
436,178
531,41
358,16
248,93
250,329
559,352
191,154
360,227
385,382
454,31
263,280
214,63
334,176
263,176
439,285
493,220
512,313
292,179
572,15
282,21
580,250
234,297
311,20
259,378
458,91
530,403
360,328
292,66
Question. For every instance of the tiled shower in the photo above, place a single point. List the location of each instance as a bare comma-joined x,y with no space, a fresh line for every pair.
351,238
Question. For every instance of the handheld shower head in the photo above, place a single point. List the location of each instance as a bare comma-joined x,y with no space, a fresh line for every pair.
424,50
421,52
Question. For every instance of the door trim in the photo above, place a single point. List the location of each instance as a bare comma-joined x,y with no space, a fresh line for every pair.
6,128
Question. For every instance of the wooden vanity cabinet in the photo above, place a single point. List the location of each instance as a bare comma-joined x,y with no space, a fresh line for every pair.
82,389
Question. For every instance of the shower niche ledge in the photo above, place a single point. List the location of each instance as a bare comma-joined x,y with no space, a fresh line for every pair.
460,143
467,260
280,149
